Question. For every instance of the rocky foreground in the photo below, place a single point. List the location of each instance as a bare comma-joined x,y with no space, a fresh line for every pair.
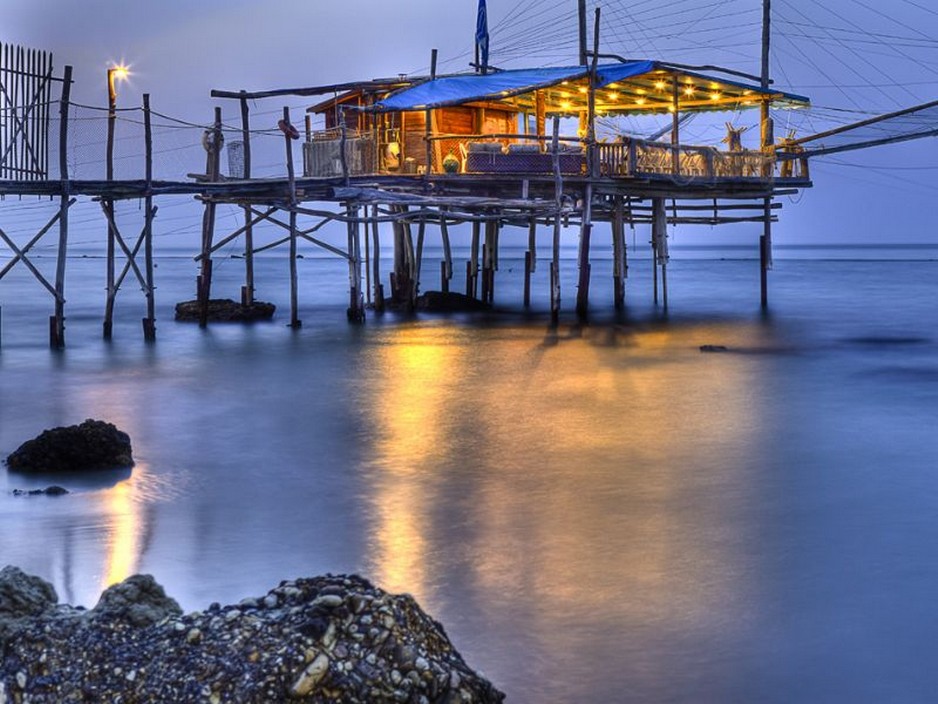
322,639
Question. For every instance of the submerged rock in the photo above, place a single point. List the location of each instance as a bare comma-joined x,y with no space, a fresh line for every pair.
53,490
93,444
225,310
321,639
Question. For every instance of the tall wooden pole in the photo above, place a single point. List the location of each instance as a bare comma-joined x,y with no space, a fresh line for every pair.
109,202
57,330
212,169
149,323
765,240
291,178
247,293
581,15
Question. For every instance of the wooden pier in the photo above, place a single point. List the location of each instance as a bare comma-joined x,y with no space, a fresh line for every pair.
430,153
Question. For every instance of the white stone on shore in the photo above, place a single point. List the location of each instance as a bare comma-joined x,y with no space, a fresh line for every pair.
310,678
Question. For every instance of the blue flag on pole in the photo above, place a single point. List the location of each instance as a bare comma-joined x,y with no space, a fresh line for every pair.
482,34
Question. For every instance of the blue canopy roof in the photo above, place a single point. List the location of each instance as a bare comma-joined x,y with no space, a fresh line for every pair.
459,89
454,90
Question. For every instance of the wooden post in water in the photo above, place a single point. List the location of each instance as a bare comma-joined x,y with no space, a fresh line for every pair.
212,170
57,328
149,322
376,262
446,266
659,237
108,204
530,259
295,321
247,293
558,204
356,311
418,260
768,171
472,266
618,254
583,282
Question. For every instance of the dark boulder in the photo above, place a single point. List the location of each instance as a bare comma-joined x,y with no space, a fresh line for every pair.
22,596
93,444
225,310
138,600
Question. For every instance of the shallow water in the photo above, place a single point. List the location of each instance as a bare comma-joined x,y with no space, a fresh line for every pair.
596,513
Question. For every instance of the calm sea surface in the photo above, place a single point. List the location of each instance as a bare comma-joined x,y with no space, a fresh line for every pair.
596,513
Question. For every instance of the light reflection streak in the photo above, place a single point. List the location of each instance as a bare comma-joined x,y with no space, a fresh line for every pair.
581,458
122,508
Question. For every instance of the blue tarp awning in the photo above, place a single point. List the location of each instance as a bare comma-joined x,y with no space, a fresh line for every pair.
448,91
455,90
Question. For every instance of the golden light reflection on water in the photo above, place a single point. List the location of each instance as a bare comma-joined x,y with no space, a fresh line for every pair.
415,370
122,509
571,459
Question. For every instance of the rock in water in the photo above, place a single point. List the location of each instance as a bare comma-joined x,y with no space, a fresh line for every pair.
92,444
323,639
225,310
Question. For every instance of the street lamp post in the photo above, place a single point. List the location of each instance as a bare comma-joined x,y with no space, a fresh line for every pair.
114,74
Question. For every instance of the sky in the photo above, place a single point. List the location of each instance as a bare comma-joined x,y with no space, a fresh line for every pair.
850,57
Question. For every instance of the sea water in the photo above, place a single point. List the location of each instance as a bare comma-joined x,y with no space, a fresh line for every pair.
598,512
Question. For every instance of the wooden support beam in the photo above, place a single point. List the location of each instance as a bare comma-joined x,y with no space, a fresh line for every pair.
617,226
376,263
558,208
213,170
472,271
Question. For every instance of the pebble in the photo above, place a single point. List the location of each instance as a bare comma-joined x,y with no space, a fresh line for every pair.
271,601
310,678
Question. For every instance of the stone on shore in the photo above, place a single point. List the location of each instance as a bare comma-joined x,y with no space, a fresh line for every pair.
320,639
225,310
91,445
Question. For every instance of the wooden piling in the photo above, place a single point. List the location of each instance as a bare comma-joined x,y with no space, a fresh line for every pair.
558,205
376,262
356,310
212,170
247,292
472,272
57,331
149,322
527,279
765,245
295,321
447,263
108,205
583,281
618,254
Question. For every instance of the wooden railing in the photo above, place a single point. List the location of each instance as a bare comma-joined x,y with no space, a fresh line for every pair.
637,158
